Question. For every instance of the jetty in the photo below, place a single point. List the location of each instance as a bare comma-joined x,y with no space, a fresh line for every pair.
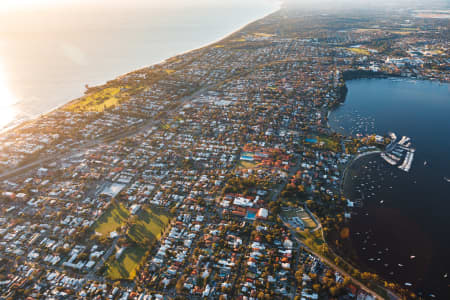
399,153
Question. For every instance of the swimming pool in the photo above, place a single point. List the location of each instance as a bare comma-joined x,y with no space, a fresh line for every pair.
251,215
311,140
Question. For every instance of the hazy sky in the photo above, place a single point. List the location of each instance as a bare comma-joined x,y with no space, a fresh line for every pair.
8,5
33,5
371,3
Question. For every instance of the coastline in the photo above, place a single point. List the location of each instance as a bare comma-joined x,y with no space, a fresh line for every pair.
22,121
209,44
321,172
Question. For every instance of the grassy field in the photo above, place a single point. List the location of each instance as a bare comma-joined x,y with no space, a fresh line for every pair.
303,215
368,30
330,143
313,240
246,164
96,102
113,218
401,32
261,34
149,225
309,223
125,267
359,51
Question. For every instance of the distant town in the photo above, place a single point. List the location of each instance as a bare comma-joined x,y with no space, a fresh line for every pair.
212,175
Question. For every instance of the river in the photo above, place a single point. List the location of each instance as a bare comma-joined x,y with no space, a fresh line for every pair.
402,230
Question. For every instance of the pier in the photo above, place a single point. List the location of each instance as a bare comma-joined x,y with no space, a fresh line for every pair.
396,151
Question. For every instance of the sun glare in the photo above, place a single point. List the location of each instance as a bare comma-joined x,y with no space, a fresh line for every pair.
7,101
8,5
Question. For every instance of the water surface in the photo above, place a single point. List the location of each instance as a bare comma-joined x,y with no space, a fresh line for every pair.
403,229
48,54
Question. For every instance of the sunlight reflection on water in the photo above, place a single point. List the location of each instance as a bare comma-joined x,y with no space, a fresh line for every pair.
7,100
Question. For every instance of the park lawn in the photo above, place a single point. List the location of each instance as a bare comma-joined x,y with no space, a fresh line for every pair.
313,240
307,220
289,213
329,143
401,32
126,266
112,219
262,34
148,227
150,224
359,51
368,30
98,101
246,164
309,223
303,215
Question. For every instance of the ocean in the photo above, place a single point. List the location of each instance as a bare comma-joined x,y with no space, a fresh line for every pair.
402,230
48,54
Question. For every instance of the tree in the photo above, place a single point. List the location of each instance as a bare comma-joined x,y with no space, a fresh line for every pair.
180,284
337,261
299,276
173,210
333,291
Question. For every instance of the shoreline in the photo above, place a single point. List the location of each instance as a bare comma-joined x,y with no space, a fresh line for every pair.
208,44
342,191
22,121
350,164
346,184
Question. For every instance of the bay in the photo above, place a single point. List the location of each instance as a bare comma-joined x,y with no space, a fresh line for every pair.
403,229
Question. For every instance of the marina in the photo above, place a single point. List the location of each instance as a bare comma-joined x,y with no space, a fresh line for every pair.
398,151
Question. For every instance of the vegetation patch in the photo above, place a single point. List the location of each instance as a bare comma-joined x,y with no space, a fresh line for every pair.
143,230
113,218
314,240
401,32
367,30
302,215
126,265
360,51
97,102
261,34
330,143
148,226
246,164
